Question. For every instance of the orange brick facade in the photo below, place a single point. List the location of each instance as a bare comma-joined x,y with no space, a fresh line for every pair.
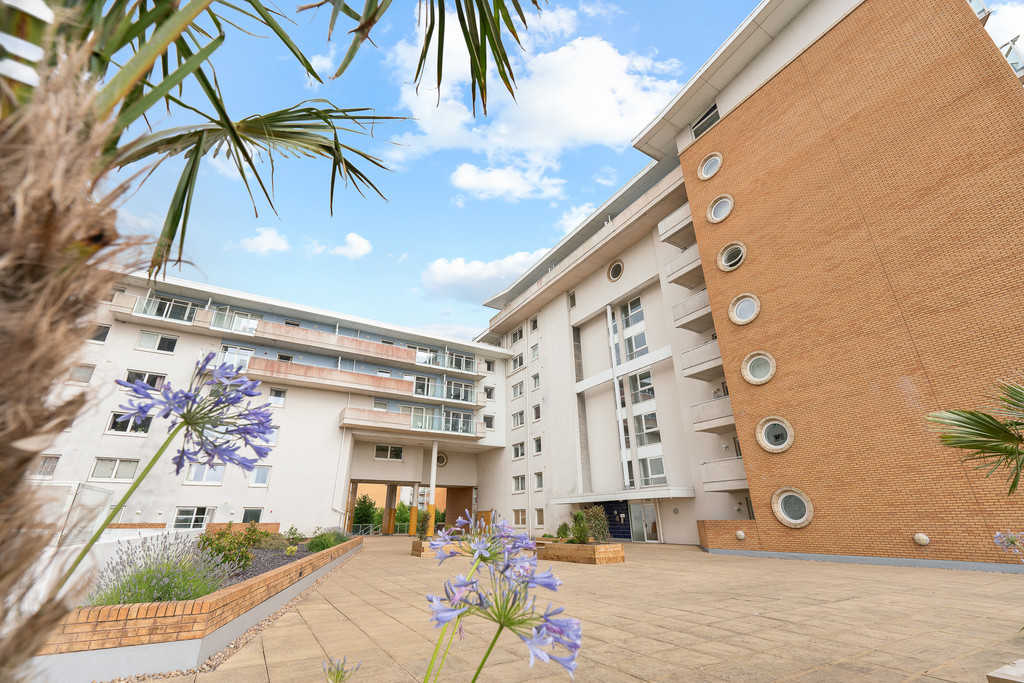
721,533
97,628
878,190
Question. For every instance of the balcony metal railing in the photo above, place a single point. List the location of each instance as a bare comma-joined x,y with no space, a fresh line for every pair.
461,394
980,8
234,322
449,361
239,360
1014,56
169,309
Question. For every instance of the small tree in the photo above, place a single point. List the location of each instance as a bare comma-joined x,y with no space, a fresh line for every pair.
401,513
563,530
580,531
597,521
365,507
421,526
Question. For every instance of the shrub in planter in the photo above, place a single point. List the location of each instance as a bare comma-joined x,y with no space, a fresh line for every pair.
232,548
291,550
580,531
159,568
326,539
253,535
563,530
597,522
421,526
273,542
294,535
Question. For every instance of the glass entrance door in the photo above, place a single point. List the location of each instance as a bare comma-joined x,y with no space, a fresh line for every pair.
643,522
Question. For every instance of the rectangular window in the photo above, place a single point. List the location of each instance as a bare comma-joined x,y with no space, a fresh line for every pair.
539,515
292,323
517,335
652,471
625,429
706,120
536,412
489,365
519,517
537,444
538,480
273,436
199,473
286,357
277,397
535,351
533,325
260,476
460,391
518,450
536,381
114,468
518,419
572,299
632,312
636,346
622,394
99,333
517,362
488,422
46,466
130,425
519,483
251,515
153,379
235,355
489,393
388,453
81,373
418,417
381,372
460,361
424,386
190,518
387,342
151,341
641,387
459,422
380,405
517,390
736,445
646,429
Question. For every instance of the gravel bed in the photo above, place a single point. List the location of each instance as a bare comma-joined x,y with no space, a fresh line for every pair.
263,560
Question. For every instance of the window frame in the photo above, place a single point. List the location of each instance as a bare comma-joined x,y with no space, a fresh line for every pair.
488,422
646,392
390,451
207,469
518,389
95,333
129,429
71,375
283,398
203,519
259,515
519,448
538,445
519,483
516,336
536,412
704,122
538,481
518,419
535,352
643,434
160,338
45,458
636,351
538,516
572,299
517,362
630,315
535,382
117,467
518,517
147,377
647,476
252,477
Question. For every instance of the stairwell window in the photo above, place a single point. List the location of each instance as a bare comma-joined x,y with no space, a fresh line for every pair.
536,381
538,481
641,387
535,351
652,471
646,429
632,312
636,346
537,445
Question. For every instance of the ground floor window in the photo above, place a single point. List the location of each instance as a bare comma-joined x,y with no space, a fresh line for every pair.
251,515
114,468
388,453
519,517
539,513
191,518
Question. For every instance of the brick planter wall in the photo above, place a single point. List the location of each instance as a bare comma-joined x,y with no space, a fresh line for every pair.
721,534
138,525
272,527
96,628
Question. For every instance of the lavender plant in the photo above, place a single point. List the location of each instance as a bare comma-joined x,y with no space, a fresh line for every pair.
158,568
216,416
337,671
502,595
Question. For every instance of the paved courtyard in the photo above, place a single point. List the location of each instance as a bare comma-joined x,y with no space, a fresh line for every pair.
670,613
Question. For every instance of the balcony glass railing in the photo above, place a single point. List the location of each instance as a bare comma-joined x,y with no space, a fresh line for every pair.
239,360
1014,57
453,424
234,322
460,394
452,361
170,309
980,7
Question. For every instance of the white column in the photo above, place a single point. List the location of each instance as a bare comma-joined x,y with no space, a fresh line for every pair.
433,473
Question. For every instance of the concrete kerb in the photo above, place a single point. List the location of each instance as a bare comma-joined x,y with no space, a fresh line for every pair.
1004,568
109,663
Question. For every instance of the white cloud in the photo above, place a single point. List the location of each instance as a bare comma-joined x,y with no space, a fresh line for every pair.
266,241
596,8
1006,22
575,215
324,65
399,257
129,223
224,165
474,281
356,246
607,176
506,182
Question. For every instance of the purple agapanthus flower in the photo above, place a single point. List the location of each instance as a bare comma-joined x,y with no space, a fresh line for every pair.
218,416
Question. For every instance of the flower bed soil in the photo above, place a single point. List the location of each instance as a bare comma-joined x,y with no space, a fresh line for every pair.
264,560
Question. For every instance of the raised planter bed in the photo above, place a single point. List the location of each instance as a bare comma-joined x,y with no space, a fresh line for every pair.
591,553
422,549
102,643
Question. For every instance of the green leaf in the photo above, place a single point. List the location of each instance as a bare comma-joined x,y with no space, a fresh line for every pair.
180,203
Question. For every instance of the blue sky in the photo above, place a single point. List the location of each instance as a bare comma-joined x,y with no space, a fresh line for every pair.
471,203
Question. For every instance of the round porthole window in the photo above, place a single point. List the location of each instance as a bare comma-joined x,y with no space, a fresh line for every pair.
774,434
792,507
720,209
744,309
758,367
731,256
615,271
709,166
442,459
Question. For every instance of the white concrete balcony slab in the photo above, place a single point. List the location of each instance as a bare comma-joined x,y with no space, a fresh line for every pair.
316,377
714,416
685,269
724,475
702,362
694,313
387,421
677,228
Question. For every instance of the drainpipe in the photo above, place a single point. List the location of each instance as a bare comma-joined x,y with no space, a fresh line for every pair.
624,455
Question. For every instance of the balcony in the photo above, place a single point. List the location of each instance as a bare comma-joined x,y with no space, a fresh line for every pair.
724,476
297,374
388,421
685,269
702,362
449,362
433,392
233,322
1015,57
301,338
981,9
694,314
160,312
677,228
714,416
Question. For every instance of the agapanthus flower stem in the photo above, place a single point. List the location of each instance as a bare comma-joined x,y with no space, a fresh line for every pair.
440,637
117,508
455,629
488,653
